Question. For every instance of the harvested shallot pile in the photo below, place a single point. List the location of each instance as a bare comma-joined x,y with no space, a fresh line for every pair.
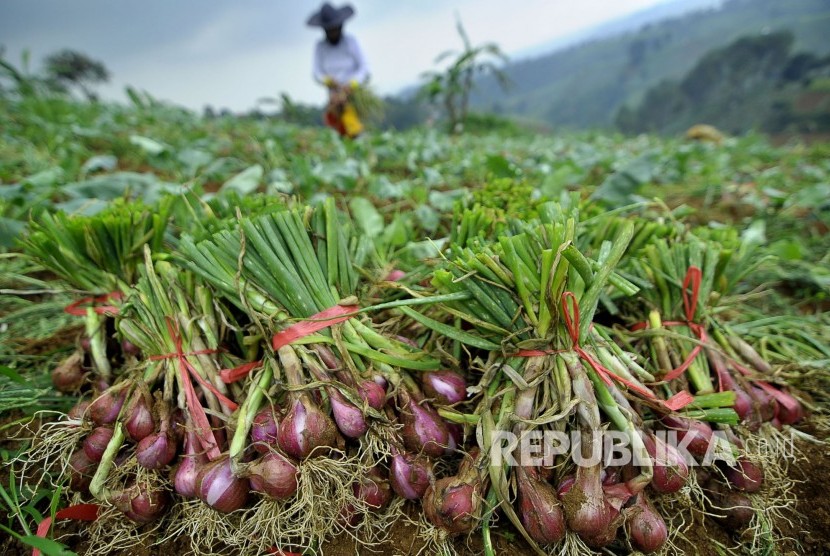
263,382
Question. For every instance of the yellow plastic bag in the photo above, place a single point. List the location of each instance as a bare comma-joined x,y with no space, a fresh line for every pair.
351,123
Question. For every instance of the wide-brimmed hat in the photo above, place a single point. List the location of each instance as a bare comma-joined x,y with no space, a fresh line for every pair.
329,16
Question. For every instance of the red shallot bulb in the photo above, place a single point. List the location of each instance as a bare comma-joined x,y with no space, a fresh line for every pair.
372,393
539,508
104,409
586,510
733,509
410,475
454,503
274,475
142,503
424,431
646,528
743,407
745,476
767,406
185,473
670,472
446,387
219,488
373,490
139,423
69,375
96,442
349,418
78,411
790,410
81,470
265,429
305,428
184,477
156,450
697,433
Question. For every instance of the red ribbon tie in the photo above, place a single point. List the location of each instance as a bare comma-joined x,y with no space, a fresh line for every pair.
78,308
570,311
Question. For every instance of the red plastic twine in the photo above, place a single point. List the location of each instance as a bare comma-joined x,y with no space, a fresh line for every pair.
232,375
570,311
78,308
693,278
321,320
80,512
312,324
203,430
174,333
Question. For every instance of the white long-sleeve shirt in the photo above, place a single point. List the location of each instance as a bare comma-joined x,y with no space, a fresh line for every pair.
342,62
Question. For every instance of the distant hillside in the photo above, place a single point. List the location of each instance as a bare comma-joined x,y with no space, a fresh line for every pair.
634,21
755,83
584,86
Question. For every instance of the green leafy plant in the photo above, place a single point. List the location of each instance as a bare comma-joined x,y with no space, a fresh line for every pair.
69,68
21,507
453,85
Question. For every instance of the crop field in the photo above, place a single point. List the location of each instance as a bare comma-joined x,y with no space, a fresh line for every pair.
238,336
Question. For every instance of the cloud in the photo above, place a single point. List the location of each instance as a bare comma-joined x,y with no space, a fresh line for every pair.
408,45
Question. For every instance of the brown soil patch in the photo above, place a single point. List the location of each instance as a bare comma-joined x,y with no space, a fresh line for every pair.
813,492
43,346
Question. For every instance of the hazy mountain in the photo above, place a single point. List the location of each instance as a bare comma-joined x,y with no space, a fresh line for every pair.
584,85
631,22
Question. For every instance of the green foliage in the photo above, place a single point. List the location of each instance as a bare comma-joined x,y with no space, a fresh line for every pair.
62,70
291,111
403,113
21,507
506,195
622,187
98,253
62,154
72,68
369,106
477,122
452,86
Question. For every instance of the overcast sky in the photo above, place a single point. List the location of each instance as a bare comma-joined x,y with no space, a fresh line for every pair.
230,53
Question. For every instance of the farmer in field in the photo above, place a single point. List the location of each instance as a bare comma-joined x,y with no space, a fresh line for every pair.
340,65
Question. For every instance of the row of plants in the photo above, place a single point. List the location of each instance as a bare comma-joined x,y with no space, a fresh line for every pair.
77,157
